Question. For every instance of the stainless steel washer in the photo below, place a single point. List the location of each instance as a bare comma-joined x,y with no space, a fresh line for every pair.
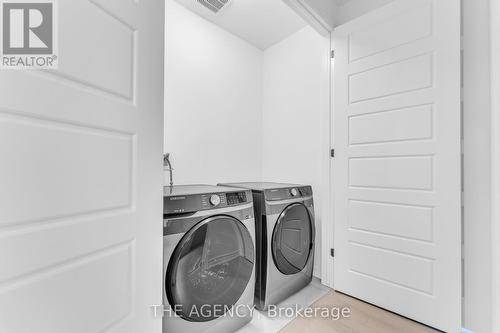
285,232
208,256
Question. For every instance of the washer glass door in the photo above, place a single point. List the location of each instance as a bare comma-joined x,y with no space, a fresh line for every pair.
210,268
292,239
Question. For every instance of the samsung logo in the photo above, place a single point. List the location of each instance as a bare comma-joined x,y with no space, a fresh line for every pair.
177,198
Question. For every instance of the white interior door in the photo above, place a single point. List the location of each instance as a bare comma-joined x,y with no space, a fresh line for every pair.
397,159
81,176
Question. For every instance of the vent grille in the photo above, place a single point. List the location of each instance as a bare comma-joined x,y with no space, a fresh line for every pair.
214,5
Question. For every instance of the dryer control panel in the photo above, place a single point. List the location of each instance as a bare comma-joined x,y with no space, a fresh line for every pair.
288,193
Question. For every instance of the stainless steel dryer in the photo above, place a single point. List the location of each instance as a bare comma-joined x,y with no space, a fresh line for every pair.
284,216
208,258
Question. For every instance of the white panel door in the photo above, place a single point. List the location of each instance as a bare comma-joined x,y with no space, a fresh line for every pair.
81,176
396,132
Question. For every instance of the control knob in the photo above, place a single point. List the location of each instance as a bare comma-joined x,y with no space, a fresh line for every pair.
214,200
294,192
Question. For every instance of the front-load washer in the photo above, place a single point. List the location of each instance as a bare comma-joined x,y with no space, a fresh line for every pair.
208,258
285,233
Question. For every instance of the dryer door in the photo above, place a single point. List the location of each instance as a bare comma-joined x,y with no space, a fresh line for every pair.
210,268
292,239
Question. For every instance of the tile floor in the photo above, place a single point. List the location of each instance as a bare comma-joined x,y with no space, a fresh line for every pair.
261,323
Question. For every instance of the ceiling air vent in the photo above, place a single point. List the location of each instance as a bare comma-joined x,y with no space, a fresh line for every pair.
214,5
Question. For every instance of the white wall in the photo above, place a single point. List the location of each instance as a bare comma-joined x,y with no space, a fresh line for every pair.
477,180
295,105
235,113
213,87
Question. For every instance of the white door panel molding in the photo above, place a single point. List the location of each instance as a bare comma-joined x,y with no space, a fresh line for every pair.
396,171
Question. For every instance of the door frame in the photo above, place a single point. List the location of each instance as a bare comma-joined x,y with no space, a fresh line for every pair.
495,158
327,213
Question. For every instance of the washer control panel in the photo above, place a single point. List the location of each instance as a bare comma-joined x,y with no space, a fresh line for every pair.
236,198
213,200
219,200
197,202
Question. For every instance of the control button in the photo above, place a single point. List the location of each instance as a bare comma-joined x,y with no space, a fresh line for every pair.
294,192
214,200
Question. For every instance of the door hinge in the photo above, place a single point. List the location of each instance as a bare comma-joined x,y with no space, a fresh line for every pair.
332,253
332,152
332,54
